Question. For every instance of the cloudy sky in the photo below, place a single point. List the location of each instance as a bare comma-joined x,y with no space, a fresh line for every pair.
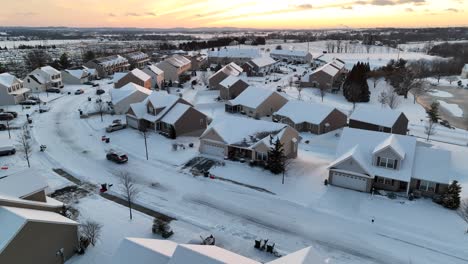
303,14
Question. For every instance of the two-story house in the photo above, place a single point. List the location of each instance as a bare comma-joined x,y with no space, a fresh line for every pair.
137,59
136,76
294,56
12,90
168,114
43,78
256,102
109,65
326,76
230,69
260,66
174,66
78,75
157,76
367,160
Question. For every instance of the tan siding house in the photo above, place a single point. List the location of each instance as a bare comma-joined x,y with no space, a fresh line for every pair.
174,66
230,69
136,76
256,102
231,87
379,119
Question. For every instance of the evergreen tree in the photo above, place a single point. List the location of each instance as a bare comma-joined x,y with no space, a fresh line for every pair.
89,55
433,112
65,62
276,157
355,87
451,199
3,68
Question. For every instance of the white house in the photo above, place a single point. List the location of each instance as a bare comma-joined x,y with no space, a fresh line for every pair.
295,56
129,94
464,73
12,90
43,78
78,75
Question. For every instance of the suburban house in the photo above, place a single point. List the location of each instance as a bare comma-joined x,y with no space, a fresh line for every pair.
367,160
231,87
248,139
78,75
123,97
137,59
197,61
256,102
36,236
293,56
310,117
237,55
379,119
12,90
43,78
464,73
136,76
260,66
168,114
230,69
174,66
157,75
25,184
327,76
106,66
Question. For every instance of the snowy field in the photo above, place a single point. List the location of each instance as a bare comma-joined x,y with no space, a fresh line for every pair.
302,212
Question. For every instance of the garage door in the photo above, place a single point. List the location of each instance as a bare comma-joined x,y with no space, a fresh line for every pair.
349,181
132,122
213,149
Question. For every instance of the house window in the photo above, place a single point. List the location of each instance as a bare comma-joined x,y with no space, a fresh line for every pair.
427,186
262,156
387,163
202,121
381,129
388,181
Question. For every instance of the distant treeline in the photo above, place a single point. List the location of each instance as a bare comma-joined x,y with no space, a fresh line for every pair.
457,51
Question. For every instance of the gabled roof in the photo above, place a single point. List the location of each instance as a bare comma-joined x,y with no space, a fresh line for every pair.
119,94
234,53
175,113
140,75
380,116
231,69
433,165
139,109
79,72
144,251
304,256
243,131
177,61
161,100
13,219
50,70
332,68
263,61
367,141
154,69
300,111
137,55
202,254
37,78
355,154
391,142
110,60
295,53
229,81
118,75
21,183
253,97
7,79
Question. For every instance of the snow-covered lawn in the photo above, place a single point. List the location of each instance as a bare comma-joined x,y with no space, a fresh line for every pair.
454,109
441,94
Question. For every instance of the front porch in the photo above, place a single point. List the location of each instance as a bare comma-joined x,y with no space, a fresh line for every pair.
233,108
388,184
239,153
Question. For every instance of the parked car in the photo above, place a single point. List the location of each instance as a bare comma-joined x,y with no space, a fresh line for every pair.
79,91
7,150
6,117
446,123
115,127
44,108
100,91
34,98
3,127
28,102
116,157
53,90
15,114
95,85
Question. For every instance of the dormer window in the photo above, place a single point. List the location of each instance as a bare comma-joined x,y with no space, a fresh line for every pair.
387,163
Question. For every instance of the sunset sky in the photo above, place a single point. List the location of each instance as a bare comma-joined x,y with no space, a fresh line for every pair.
278,14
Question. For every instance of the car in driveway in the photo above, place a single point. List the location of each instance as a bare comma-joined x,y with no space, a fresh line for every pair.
6,117
44,108
116,157
28,102
100,91
15,114
53,90
79,91
115,127
7,150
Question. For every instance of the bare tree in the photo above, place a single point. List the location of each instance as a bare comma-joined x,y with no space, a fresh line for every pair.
393,100
299,91
129,188
323,91
383,97
419,89
463,210
36,58
338,46
368,48
25,143
429,129
100,107
204,78
144,134
452,79
91,230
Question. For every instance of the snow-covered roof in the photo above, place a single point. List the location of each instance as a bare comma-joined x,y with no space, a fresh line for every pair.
21,183
304,256
294,53
356,154
37,77
433,165
139,109
231,69
393,143
7,79
241,130
79,72
234,53
118,94
177,61
153,68
263,61
367,141
202,254
300,111
118,75
229,81
111,60
380,116
137,55
252,97
13,220
144,251
175,113
140,74
161,100
50,70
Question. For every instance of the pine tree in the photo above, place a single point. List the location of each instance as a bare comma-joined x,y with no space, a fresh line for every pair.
355,87
451,199
276,157
64,61
433,112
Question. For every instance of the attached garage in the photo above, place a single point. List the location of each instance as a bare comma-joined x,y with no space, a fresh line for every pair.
211,148
133,122
350,181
